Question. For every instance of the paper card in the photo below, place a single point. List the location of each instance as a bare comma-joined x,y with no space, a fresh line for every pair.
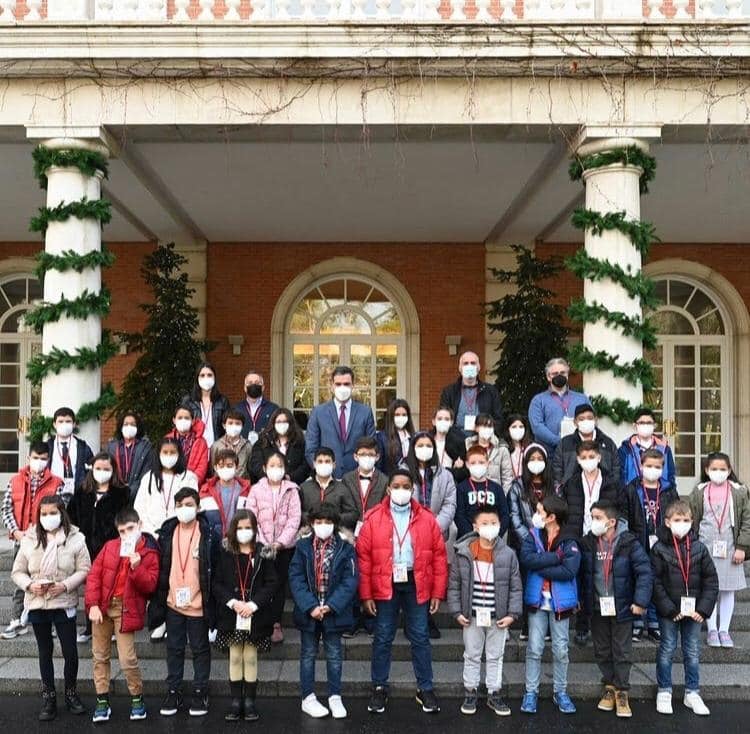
652,540
567,426
127,547
469,422
182,597
719,549
196,551
69,486
687,606
400,573
252,437
484,618
607,604
358,528
244,623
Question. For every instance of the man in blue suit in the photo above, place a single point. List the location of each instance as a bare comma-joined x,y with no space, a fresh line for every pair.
339,423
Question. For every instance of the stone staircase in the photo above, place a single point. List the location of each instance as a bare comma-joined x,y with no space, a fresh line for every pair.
724,673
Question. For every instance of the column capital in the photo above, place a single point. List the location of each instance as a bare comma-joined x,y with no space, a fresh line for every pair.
599,138
81,137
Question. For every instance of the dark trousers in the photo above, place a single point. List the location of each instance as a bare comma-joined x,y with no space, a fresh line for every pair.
613,644
180,630
42,622
283,559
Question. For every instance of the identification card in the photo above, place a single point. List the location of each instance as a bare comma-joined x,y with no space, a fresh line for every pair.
69,486
195,552
244,623
358,528
127,547
687,606
484,618
719,549
567,426
607,604
252,437
400,574
182,597
652,539
469,422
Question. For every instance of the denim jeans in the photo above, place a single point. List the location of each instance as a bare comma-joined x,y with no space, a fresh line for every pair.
386,622
309,651
690,638
180,629
650,620
539,622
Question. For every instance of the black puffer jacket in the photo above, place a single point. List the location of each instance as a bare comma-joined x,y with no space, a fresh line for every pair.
635,513
96,520
565,460
573,493
669,586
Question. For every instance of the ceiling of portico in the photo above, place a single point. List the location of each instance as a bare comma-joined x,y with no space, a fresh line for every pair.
451,184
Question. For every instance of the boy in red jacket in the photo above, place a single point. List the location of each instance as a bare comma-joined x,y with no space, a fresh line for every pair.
122,579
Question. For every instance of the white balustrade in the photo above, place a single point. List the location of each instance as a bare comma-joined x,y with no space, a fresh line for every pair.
180,10
383,9
734,8
704,8
259,10
458,9
207,10
233,10
6,11
282,10
654,7
34,7
409,9
532,9
483,12
509,9
681,12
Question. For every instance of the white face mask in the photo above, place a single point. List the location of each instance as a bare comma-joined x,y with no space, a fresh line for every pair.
323,469
50,522
206,383
102,476
586,426
64,429
718,476
598,527
400,421
129,431
401,497
245,535
488,532
478,471
486,433
645,430
37,465
423,453
517,434
168,460
469,371
651,473
226,473
275,473
366,463
680,528
282,428
186,514
537,521
342,393
323,530
233,430
442,426
588,465
183,424
537,466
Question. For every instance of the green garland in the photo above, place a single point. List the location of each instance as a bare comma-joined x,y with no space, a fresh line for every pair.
618,410
636,372
71,260
88,162
633,326
84,209
631,155
641,234
87,304
58,360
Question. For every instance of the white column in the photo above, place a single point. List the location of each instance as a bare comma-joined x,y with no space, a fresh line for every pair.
196,267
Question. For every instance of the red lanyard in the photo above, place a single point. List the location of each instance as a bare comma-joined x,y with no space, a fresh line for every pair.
657,503
474,391
183,564
483,582
186,442
517,468
242,580
608,558
169,495
253,416
65,459
684,567
225,511
565,404
720,522
401,540
591,486
323,491
320,558
474,488
127,458
366,496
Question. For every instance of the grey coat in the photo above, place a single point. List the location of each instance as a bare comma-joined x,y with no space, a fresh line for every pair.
507,575
141,462
442,498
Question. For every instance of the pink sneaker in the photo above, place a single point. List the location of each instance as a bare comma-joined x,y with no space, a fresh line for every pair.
278,634
713,639
725,639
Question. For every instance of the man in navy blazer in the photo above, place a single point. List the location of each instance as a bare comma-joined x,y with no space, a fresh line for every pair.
339,423
255,408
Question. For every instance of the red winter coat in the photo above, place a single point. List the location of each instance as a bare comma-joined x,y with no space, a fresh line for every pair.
197,461
375,554
140,583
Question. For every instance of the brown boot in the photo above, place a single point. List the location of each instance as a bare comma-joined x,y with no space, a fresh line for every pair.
623,705
607,701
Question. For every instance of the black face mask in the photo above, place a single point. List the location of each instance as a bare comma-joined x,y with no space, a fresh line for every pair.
254,391
559,381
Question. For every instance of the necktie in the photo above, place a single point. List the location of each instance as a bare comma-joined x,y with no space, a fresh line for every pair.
342,422
66,459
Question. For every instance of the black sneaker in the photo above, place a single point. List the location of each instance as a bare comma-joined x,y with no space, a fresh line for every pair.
495,703
637,634
378,699
350,633
199,704
469,706
73,702
428,701
433,630
171,704
582,638
654,634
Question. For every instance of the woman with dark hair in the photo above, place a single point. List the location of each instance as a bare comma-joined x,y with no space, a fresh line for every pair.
517,435
244,584
395,437
131,450
51,564
281,434
205,400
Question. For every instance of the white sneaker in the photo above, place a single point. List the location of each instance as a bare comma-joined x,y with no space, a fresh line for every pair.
212,636
83,637
337,707
159,633
695,702
14,629
664,702
312,707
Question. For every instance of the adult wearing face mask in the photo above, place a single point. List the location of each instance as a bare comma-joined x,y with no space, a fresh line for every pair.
468,396
205,399
565,460
551,412
281,434
643,439
403,567
255,408
450,443
339,423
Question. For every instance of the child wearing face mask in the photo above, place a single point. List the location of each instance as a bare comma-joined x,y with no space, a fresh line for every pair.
645,439
500,469
324,487
518,436
479,490
393,440
615,581
122,579
283,434
485,596
686,586
188,431
366,485
323,580
233,440
244,584
224,492
720,507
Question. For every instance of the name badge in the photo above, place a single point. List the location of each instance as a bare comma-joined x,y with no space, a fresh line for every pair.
69,486
687,606
127,547
469,422
719,549
252,437
567,426
652,539
244,623
195,552
358,528
182,597
484,618
607,604
400,574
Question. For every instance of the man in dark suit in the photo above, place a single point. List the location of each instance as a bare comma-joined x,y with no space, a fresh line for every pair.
69,455
255,408
339,423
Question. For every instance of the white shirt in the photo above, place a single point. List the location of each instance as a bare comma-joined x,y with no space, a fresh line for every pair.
208,423
405,440
445,460
155,507
590,496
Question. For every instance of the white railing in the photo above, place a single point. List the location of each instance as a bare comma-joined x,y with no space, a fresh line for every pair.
478,11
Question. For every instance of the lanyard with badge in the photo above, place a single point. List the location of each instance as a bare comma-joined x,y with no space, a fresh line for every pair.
607,556
470,418
182,595
652,513
168,495
687,602
244,623
69,484
364,498
400,571
126,462
224,511
719,549
483,614
320,550
517,467
567,424
482,499
252,436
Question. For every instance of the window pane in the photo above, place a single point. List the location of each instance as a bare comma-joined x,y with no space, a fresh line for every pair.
684,377
386,377
9,441
15,291
387,353
685,421
360,360
710,442
679,292
684,399
9,374
384,397
711,377
9,418
10,353
328,360
654,399
35,290
711,324
710,399
669,322
661,290
9,396
710,355
388,323
8,463
684,444
333,292
685,466
710,422
700,304
377,304
357,291
684,355
11,323
344,321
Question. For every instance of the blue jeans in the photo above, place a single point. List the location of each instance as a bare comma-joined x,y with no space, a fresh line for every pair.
650,620
690,634
539,622
417,632
309,650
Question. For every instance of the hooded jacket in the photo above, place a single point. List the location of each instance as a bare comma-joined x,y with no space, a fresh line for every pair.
630,461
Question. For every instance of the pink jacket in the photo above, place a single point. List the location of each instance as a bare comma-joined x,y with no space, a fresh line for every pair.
278,516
